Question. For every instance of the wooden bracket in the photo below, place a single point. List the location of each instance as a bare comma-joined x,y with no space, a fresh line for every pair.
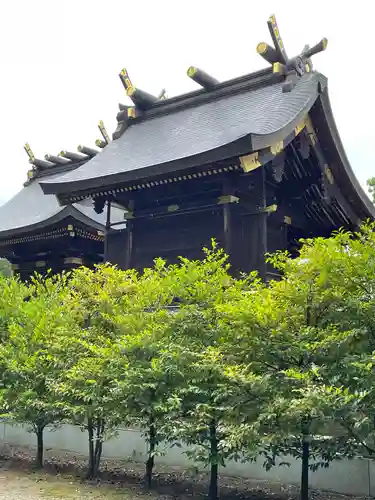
228,198
250,162
287,220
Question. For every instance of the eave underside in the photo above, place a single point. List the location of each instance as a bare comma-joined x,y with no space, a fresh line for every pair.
317,184
67,226
329,138
306,189
335,200
67,245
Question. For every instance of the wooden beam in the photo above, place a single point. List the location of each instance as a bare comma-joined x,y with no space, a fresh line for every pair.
276,38
57,159
228,198
29,152
100,144
42,164
78,261
87,151
319,47
268,53
125,79
203,79
143,100
104,132
73,156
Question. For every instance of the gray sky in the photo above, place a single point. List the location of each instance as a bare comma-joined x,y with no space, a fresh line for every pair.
60,62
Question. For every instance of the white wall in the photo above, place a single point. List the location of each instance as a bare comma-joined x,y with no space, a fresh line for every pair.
347,476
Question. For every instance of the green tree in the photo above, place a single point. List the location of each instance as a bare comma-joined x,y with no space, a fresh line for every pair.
6,268
210,394
85,351
26,357
288,331
84,388
145,384
12,293
371,187
350,271
144,376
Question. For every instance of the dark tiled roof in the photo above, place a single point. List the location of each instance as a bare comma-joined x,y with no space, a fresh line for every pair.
172,131
31,209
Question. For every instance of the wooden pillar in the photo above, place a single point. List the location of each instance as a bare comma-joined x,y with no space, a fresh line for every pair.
107,230
227,217
129,238
114,242
262,224
129,244
277,239
251,239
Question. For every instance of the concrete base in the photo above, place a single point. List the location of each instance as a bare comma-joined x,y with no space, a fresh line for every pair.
353,477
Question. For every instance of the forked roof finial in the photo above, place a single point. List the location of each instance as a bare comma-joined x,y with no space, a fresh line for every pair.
277,56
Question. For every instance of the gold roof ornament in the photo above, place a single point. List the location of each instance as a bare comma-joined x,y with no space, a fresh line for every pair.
141,99
29,152
104,132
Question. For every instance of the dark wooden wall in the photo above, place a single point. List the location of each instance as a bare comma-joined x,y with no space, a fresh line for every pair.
239,226
45,252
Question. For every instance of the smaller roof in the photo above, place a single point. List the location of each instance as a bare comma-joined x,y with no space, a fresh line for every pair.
31,209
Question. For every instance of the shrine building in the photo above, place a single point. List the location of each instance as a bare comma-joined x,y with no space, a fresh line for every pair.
255,162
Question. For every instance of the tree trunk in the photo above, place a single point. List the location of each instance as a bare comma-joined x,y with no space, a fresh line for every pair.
151,451
40,447
98,446
305,467
213,488
90,430
98,456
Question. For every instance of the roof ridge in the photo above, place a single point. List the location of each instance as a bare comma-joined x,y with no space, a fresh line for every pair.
54,170
251,81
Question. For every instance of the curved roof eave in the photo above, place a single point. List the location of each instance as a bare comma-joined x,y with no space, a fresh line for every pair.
19,231
239,147
212,131
31,210
264,141
73,211
338,161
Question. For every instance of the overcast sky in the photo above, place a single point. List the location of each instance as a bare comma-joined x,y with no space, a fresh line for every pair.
60,63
